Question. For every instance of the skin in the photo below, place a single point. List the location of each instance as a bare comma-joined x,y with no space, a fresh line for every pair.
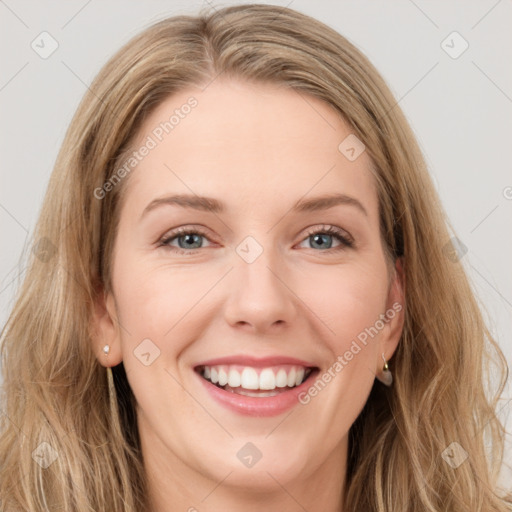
259,149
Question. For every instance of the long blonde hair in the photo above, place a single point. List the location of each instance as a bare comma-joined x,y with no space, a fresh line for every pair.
63,447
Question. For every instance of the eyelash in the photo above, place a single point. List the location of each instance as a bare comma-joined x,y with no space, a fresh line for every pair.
346,242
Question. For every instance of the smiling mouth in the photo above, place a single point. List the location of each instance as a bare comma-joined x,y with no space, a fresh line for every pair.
256,382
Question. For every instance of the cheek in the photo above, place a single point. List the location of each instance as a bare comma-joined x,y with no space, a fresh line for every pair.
154,309
153,299
348,299
151,308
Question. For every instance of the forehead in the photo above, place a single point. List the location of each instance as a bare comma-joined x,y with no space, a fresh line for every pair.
250,144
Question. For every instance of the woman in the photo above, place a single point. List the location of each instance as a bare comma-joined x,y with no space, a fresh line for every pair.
319,348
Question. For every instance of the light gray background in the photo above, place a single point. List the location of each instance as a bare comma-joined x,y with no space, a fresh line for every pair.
460,109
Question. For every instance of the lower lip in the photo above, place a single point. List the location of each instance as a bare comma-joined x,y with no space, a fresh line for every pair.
254,406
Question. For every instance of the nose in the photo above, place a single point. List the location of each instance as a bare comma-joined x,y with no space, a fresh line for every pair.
260,300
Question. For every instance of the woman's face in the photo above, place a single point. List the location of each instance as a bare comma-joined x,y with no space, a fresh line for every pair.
269,284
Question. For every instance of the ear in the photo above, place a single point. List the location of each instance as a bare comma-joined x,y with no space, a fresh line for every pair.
104,329
395,315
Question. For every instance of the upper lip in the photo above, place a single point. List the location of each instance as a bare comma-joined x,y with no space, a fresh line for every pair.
256,362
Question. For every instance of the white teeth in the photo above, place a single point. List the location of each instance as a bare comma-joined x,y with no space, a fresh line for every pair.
291,378
281,379
223,377
257,394
234,378
267,379
299,376
247,377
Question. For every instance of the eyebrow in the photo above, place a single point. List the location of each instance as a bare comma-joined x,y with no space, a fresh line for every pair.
210,204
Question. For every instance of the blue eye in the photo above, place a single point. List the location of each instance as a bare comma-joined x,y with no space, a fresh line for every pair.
187,240
317,235
190,240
